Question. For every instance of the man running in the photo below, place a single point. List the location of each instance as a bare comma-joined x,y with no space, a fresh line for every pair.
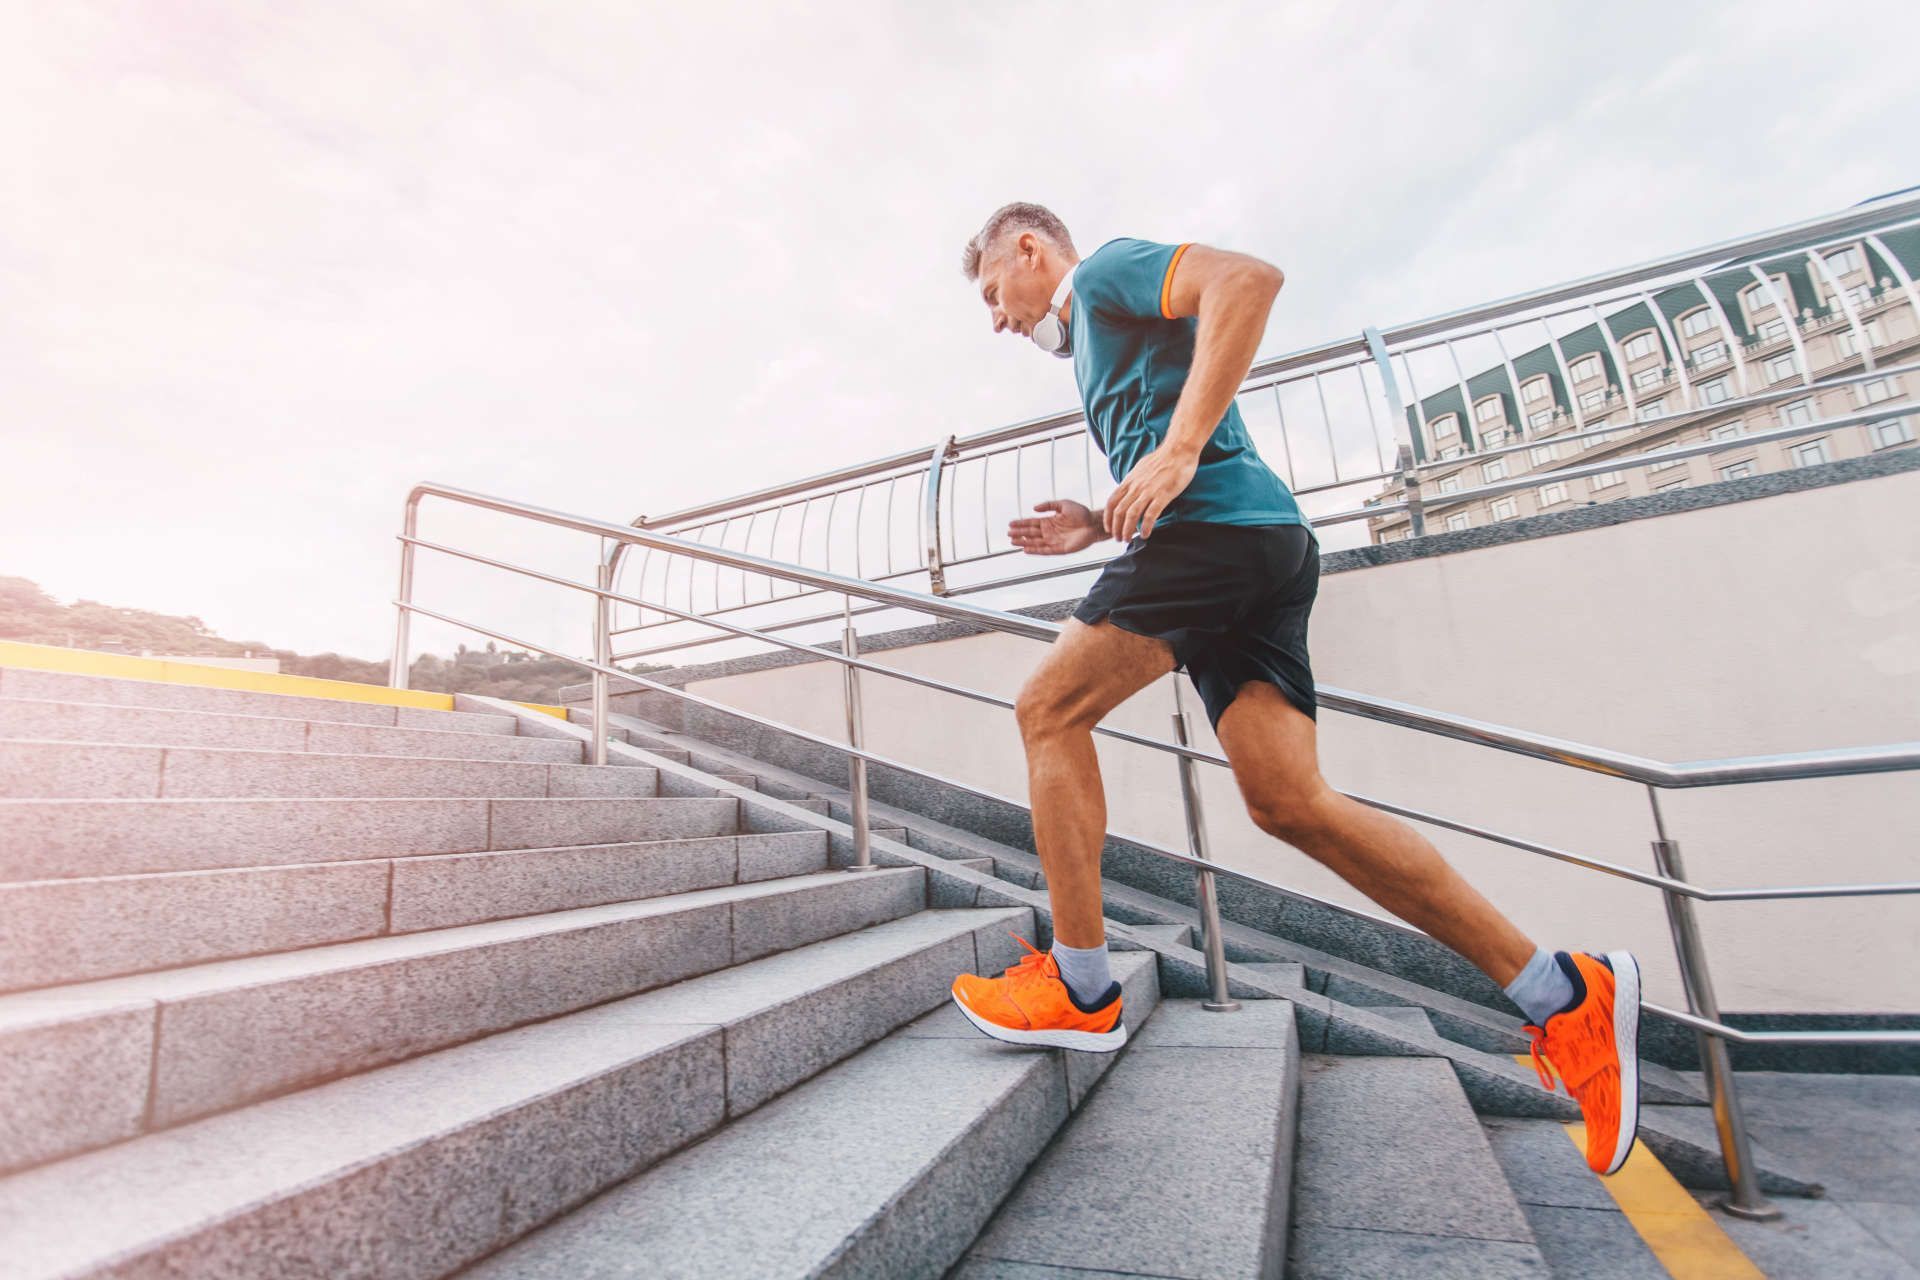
1218,577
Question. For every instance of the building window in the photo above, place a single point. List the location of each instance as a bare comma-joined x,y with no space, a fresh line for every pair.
1798,414
1726,431
1758,299
1493,437
1671,485
1841,261
1664,464
1586,367
1696,322
1714,392
1605,480
1503,509
1444,427
1810,454
1534,389
1487,410
1652,377
1889,433
1451,452
1878,390
1658,409
1540,418
1847,343
1552,493
1449,484
1592,399
1771,331
1543,453
1456,522
1642,344
1708,356
1782,367
1737,470
1493,469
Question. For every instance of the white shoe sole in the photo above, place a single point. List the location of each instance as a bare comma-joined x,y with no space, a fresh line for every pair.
1086,1041
1626,1043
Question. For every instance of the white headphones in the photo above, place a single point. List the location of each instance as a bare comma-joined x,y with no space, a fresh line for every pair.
1050,335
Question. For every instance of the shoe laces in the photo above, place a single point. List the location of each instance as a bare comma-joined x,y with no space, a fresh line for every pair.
1026,966
1540,1067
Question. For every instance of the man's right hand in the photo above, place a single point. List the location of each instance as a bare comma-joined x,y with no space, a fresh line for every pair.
1065,528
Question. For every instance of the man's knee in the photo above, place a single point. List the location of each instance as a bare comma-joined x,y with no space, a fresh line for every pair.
1297,815
1041,710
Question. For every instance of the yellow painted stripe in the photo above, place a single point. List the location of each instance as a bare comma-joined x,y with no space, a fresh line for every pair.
85,662
1166,283
1682,1235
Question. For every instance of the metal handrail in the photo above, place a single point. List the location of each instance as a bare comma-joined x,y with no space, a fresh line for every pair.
1308,373
1677,891
1790,236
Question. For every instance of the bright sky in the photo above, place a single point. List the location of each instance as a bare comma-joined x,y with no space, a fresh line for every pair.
266,266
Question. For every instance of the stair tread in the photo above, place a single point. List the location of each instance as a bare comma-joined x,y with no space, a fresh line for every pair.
169,1184
63,686
803,1180
1098,1199
1390,1147
27,1007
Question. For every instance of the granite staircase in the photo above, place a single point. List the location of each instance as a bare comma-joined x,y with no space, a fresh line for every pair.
299,987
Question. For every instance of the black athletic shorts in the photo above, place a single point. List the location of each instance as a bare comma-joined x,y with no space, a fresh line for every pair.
1232,600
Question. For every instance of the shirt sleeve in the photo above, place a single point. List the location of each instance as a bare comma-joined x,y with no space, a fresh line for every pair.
1129,279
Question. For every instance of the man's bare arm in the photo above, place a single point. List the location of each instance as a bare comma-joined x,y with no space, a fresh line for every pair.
1232,295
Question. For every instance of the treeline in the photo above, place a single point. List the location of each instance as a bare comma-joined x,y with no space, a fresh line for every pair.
29,614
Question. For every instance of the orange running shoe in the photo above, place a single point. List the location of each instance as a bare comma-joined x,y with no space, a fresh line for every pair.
1030,1004
1594,1043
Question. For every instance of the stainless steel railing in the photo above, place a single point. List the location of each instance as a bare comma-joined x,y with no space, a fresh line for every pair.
1678,893
1347,414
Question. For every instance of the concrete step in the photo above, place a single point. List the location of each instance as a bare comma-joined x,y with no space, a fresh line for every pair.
1287,975
1117,1195
1575,1221
156,726
57,686
55,839
1407,1016
1393,1175
96,927
419,1168
849,1174
1170,935
216,1036
79,770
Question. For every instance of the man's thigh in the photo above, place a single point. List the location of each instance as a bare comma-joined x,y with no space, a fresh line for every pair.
1091,669
1272,746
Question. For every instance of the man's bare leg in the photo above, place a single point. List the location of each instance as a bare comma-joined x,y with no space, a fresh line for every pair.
1273,749
1087,672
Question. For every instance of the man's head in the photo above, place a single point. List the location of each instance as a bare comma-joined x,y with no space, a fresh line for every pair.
1018,260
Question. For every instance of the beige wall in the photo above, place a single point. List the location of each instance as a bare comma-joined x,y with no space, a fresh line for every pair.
1783,624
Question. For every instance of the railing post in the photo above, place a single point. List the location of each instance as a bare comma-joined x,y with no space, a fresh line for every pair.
856,766
602,652
1745,1199
936,569
1406,455
1212,944
410,528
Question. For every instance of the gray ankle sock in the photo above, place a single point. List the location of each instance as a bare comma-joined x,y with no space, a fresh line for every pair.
1542,989
1084,970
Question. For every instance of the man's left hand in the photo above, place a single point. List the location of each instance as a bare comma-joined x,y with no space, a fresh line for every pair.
1149,488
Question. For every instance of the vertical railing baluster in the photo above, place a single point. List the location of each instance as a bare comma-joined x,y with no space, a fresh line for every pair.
1745,1199
1206,900
856,765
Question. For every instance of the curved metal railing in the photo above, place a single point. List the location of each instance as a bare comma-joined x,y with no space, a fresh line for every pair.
1333,418
1669,877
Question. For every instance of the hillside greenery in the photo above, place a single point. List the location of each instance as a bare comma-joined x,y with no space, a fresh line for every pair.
29,614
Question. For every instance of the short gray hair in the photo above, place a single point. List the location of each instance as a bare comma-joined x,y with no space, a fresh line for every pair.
1016,217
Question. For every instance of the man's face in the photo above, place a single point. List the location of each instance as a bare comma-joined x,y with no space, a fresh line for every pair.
1013,284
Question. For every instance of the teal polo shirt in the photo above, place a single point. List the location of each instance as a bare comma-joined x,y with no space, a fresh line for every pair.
1131,358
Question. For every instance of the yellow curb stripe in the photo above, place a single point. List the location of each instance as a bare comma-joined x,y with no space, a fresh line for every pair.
1682,1235
121,666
